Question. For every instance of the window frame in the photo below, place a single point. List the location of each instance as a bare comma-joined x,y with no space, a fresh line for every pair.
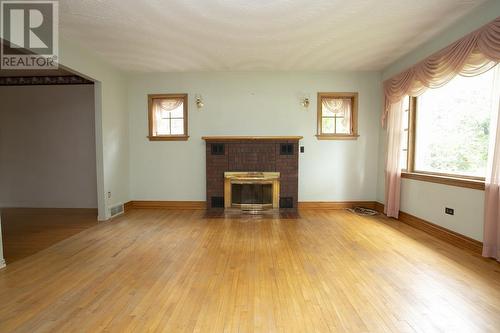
354,116
434,177
168,137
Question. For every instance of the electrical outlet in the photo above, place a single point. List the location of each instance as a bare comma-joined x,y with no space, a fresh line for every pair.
301,149
449,211
109,195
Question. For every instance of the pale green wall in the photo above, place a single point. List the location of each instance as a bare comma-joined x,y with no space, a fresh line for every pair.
255,103
111,123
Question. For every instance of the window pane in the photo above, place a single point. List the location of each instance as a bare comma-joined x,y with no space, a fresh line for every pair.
177,126
328,125
406,103
404,160
404,151
178,112
163,126
327,113
452,126
343,126
404,141
406,119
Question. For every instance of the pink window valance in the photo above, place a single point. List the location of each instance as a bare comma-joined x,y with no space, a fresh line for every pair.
471,55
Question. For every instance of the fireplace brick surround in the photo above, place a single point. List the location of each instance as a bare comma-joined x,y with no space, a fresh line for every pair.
258,154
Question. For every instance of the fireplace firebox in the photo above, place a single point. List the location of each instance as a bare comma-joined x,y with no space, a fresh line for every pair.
251,190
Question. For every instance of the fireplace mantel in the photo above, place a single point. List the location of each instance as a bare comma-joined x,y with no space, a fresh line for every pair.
251,138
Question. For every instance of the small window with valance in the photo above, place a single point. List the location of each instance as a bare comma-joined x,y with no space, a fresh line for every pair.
167,117
337,116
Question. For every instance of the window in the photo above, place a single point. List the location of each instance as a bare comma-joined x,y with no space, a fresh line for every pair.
167,117
337,116
446,130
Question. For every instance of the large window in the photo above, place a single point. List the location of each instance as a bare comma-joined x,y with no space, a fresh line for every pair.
167,117
446,130
337,116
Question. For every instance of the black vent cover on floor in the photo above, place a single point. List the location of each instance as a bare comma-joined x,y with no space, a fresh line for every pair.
217,202
286,202
286,149
217,149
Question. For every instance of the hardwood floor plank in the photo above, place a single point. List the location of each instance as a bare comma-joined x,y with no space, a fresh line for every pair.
26,231
181,271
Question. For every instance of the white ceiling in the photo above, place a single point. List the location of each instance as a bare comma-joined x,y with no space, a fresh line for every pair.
220,35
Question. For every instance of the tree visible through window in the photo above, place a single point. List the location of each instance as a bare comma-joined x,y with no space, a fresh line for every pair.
452,123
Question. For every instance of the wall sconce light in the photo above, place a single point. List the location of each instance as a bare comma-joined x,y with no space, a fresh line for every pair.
304,99
305,102
199,102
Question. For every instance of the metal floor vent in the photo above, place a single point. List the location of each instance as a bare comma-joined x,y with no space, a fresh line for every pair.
116,210
363,211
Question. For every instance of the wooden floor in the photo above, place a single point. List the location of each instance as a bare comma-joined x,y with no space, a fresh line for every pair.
179,271
26,231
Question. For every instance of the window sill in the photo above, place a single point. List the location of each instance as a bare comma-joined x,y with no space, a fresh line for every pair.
452,181
169,138
337,137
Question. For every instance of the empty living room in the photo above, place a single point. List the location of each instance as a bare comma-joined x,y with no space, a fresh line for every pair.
250,166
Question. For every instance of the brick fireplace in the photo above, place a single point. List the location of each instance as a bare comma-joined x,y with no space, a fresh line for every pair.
254,156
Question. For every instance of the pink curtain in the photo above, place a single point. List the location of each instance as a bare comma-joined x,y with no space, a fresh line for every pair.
491,238
392,167
474,54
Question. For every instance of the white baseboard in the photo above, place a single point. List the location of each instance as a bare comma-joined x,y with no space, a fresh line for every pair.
2,263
